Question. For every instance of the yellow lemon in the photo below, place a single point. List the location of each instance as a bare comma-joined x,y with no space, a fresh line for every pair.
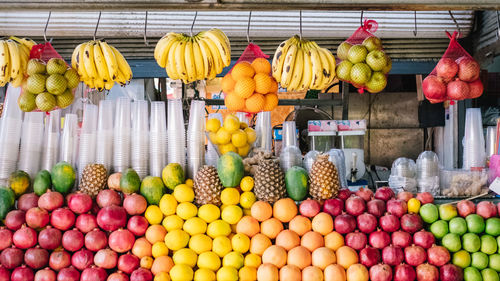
203,274
248,273
251,135
209,260
181,272
209,212
172,222
183,193
244,150
153,214
229,147
222,136
246,183
176,239
189,182
146,262
232,214
200,243
230,196
162,276
186,210
213,125
413,205
243,125
231,123
221,246
253,260
239,138
195,226
159,249
213,137
240,243
218,228
247,199
233,259
185,256
168,204
227,273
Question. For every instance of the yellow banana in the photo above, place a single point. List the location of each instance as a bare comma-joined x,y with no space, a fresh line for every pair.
100,63
74,56
24,61
180,66
4,63
208,60
224,51
99,84
328,61
298,70
109,57
287,73
198,61
218,63
108,85
15,60
317,69
189,61
160,44
122,64
24,41
88,60
307,75
81,66
121,78
18,81
162,48
171,68
223,36
279,57
23,50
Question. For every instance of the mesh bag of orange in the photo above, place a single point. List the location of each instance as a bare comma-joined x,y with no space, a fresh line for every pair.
249,86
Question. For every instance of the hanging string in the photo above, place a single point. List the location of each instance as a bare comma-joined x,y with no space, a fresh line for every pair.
145,29
456,23
415,30
46,25
97,25
300,24
361,19
248,26
192,25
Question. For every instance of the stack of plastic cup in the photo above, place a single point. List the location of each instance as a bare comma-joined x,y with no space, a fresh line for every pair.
10,134
289,134
176,133
196,138
157,139
104,140
474,155
242,116
88,137
51,140
69,140
140,138
309,159
211,155
428,173
30,154
121,137
337,157
264,129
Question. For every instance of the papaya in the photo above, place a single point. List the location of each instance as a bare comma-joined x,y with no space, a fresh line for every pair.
172,175
152,189
42,182
130,182
63,177
19,182
296,182
5,206
230,169
9,194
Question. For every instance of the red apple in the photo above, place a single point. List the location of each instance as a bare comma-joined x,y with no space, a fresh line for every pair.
424,239
397,207
415,255
333,206
411,223
401,239
379,239
381,272
365,193
427,272
438,255
486,209
392,255
384,193
451,272
466,207
367,223
344,193
355,205
309,208
345,223
405,196
376,207
404,272
356,240
369,256
389,222
425,197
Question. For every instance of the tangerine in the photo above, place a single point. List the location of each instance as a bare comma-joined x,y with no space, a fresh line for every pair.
262,83
259,243
275,255
322,223
244,87
233,102
261,210
357,272
287,239
271,102
162,264
261,65
300,257
300,225
241,70
142,248
290,273
334,240
155,233
346,256
312,240
334,272
271,227
255,103
312,273
227,83
274,86
323,257
248,225
285,209
267,272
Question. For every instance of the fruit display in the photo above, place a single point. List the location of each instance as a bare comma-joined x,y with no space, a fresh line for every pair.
232,135
100,65
300,64
14,56
192,58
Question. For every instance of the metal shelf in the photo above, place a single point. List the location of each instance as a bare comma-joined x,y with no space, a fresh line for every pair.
289,102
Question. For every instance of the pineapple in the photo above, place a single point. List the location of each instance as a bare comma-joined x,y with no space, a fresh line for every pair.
93,179
207,186
324,179
269,180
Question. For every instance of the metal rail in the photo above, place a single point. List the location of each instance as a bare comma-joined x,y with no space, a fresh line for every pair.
289,102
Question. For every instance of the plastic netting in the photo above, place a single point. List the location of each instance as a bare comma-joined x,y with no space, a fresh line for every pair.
366,30
251,52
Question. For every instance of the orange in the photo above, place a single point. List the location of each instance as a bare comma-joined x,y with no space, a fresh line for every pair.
357,272
241,70
261,65
323,257
287,239
248,225
259,243
255,103
285,209
346,256
244,87
271,102
261,210
162,264
322,223
142,248
234,102
334,240
299,225
275,255
271,227
267,272
155,233
290,273
227,83
334,272
312,240
300,257
274,86
146,262
262,83
312,273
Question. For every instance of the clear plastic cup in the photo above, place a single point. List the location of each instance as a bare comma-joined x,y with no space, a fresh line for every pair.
90,114
105,120
175,121
51,140
263,129
121,138
30,153
69,140
197,116
243,117
289,134
140,116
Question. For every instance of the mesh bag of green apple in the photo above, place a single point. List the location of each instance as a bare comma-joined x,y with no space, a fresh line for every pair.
364,63
50,82
455,76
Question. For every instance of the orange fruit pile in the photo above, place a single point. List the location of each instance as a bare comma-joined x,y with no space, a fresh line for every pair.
250,87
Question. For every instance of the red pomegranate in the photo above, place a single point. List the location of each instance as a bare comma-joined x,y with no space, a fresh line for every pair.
446,68
379,239
401,239
36,258
309,208
369,256
96,240
389,222
355,205
438,255
427,272
62,219
415,255
381,272
50,238
46,274
82,259
476,89
94,274
344,193
397,207
112,217
118,276
404,272
68,274
128,263
376,207
486,209
392,255
86,222
106,258
333,206
72,240
345,223
356,240
137,225
365,193
367,223
411,223
424,239
404,196
22,273
5,274
425,198
12,257
80,203
5,238
27,201
468,69
51,200
24,237
15,219
434,88
59,259
450,272
384,193
121,240
108,197
37,217
141,274
457,90
135,204
465,208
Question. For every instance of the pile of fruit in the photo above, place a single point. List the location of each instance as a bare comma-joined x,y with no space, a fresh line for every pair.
364,65
249,87
233,135
14,56
193,58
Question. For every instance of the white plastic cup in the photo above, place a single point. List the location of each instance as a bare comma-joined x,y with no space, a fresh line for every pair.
30,154
121,139
69,140
289,134
51,140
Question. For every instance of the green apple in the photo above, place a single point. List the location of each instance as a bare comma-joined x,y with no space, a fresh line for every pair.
458,225
492,226
489,275
388,66
429,213
461,259
439,228
475,223
472,274
471,242
376,59
479,260
495,262
35,66
377,82
488,244
447,212
344,70
360,73
342,50
56,66
452,242
357,54
372,43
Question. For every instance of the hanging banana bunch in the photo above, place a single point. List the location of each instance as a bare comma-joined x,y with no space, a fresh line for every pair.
193,58
14,56
100,65
300,64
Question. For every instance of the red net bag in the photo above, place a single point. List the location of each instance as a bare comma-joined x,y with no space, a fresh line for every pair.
455,76
363,62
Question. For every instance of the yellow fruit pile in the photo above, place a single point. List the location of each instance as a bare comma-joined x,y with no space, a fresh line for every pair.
14,56
250,88
233,135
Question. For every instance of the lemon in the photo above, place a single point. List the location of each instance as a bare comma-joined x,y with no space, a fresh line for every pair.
232,214
213,137
253,260
233,230
248,273
225,148
183,193
243,125
240,243
153,214
209,260
218,228
239,138
195,226
168,204
244,150
251,135
200,243
227,273
186,210
222,136
221,246
413,205
233,259
203,274
230,196
146,262
181,272
159,249
189,182
231,123
162,276
209,213
213,125
246,183
176,239
247,199
185,256
172,222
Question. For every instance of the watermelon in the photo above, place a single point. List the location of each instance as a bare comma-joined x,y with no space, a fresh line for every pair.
172,175
5,205
230,169
152,189
130,182
9,194
63,177
42,182
296,181
19,182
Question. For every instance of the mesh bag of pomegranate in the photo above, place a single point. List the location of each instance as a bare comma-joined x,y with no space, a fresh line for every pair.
363,61
455,77
249,86
50,83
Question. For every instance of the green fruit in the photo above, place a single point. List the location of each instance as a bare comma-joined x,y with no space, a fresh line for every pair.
152,189
488,244
479,260
42,182
56,66
36,83
471,242
56,84
451,241
45,101
130,182
9,194
230,169
461,259
360,73
458,225
343,50
489,275
372,43
344,70
26,101
472,274
388,66
439,229
173,175
492,226
429,213
5,206
447,212
377,82
35,66
296,181
495,262
377,60
63,177
475,223
65,99
72,77
19,182
357,54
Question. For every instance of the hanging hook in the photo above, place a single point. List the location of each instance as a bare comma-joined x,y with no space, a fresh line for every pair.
145,29
300,24
415,30
361,18
248,26
456,23
192,25
46,25
97,24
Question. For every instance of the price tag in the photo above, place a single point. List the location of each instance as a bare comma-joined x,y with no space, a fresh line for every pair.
495,186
